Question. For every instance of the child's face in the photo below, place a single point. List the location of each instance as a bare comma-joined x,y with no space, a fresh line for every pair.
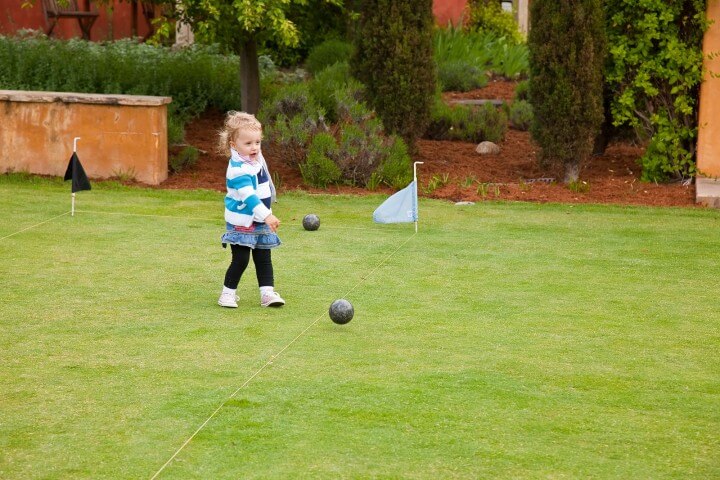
247,143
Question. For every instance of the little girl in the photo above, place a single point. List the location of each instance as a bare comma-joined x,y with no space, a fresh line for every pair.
250,224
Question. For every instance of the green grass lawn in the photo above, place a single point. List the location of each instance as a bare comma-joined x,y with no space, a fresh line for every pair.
504,340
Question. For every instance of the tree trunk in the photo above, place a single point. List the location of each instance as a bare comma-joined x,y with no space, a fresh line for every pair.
572,171
249,77
607,129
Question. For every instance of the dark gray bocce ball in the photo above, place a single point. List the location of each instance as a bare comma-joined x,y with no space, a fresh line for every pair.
311,222
341,311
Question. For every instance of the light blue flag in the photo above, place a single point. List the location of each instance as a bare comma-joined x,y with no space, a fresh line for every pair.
402,207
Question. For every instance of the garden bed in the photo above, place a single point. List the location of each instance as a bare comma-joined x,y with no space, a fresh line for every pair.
460,174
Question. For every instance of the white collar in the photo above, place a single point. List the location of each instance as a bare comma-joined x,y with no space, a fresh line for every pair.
236,157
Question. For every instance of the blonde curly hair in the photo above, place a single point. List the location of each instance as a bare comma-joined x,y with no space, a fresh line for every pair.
236,122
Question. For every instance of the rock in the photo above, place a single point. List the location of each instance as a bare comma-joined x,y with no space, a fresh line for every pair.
460,204
487,148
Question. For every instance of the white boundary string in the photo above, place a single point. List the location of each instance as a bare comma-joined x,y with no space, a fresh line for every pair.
214,219
36,225
274,357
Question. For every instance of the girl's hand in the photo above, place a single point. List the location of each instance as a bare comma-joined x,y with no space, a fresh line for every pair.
272,222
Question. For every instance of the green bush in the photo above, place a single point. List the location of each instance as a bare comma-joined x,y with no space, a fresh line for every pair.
488,16
350,106
567,51
327,54
175,127
361,151
522,90
320,170
291,136
293,121
290,119
460,77
655,71
442,121
325,86
289,101
396,168
521,115
511,60
484,123
196,78
487,51
394,60
316,21
467,123
187,157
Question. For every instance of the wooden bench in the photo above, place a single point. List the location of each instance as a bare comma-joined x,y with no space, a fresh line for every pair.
55,10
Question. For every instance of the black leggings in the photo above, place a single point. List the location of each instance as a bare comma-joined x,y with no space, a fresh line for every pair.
240,261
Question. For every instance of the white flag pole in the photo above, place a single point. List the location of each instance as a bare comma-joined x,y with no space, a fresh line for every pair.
416,197
72,207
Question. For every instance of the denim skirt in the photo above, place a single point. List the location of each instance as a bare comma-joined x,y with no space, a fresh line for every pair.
257,235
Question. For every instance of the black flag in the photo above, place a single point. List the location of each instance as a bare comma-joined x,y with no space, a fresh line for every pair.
76,173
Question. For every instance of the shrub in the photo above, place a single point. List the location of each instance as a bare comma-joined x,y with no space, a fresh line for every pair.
567,51
187,157
511,60
293,123
393,59
460,77
522,90
360,151
316,21
441,121
485,50
350,107
470,124
288,101
326,54
291,136
489,16
320,170
521,115
396,168
196,78
483,123
175,127
654,70
326,84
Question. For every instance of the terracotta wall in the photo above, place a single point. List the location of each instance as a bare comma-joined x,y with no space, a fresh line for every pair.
115,20
120,135
708,153
448,11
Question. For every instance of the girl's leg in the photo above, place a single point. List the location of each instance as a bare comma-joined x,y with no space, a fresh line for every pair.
263,267
264,270
238,264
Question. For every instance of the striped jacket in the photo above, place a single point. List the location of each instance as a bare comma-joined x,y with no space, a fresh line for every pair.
250,191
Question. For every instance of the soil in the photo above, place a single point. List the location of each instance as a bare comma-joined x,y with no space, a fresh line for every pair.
461,174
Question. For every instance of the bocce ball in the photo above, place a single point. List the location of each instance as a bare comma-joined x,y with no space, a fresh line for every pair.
341,311
311,222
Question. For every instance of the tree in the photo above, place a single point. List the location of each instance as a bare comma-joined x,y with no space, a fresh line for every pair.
567,52
239,26
394,59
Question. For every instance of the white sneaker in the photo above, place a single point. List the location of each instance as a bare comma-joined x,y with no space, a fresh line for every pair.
272,299
228,300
